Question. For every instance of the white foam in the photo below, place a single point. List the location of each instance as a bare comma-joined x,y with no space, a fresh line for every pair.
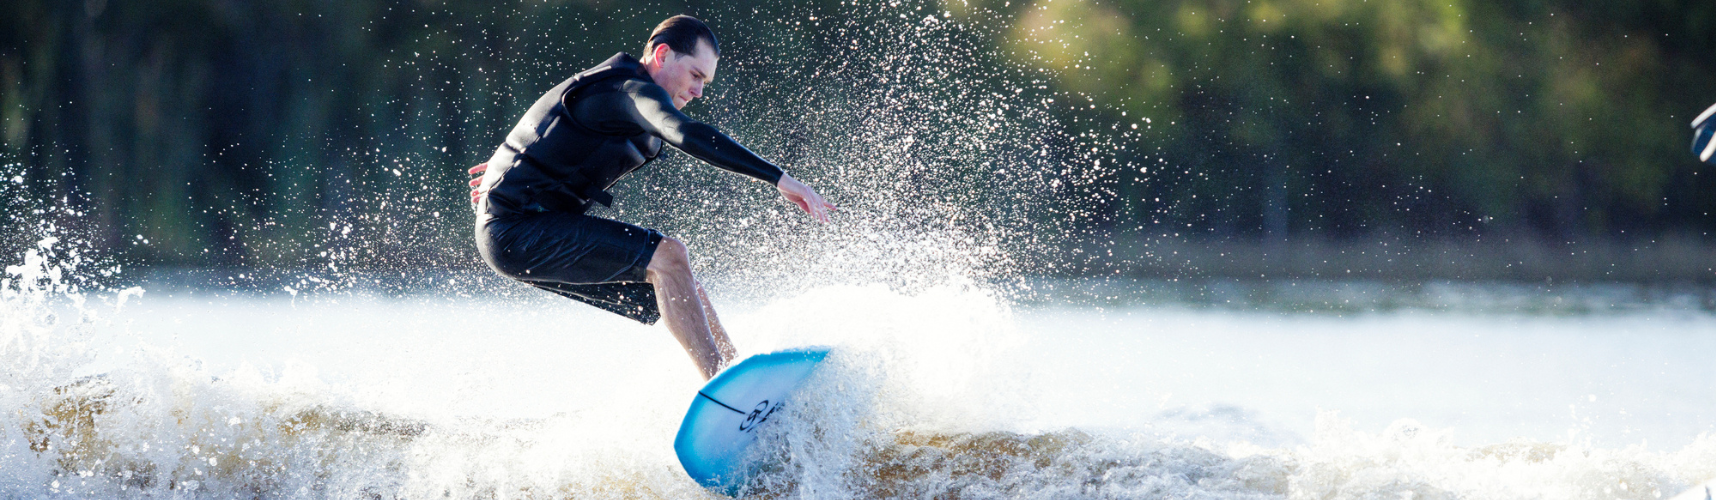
944,391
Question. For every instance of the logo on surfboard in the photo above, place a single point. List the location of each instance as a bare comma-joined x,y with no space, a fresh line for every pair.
759,415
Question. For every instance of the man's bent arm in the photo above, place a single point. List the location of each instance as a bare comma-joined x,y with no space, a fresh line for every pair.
647,106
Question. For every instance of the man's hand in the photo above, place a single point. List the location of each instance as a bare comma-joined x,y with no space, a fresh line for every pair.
477,183
805,197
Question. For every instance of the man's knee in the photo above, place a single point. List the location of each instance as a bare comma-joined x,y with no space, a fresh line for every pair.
671,257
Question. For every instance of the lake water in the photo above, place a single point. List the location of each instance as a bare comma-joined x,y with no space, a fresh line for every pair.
942,392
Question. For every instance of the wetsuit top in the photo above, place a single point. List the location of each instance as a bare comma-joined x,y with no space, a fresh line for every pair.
591,130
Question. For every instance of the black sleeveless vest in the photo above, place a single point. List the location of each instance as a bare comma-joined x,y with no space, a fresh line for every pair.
550,163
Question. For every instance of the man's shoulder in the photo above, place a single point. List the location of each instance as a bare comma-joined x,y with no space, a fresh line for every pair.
621,64
623,84
621,73
617,85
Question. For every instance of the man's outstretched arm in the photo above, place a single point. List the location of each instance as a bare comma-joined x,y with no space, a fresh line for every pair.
647,107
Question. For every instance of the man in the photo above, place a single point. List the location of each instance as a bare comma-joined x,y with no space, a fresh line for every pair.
577,141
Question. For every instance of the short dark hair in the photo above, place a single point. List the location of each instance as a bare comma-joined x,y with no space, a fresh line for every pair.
681,34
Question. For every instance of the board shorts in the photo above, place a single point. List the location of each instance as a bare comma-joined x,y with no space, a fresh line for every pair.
589,259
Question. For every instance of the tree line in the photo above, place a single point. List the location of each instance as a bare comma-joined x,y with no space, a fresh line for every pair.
280,131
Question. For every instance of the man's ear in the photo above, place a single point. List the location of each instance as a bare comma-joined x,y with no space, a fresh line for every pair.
660,53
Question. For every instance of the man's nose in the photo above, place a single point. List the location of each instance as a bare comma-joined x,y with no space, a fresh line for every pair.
697,90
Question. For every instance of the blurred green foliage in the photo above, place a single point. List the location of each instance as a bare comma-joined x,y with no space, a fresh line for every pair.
1560,120
228,132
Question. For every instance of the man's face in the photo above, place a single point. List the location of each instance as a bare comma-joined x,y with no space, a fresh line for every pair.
683,75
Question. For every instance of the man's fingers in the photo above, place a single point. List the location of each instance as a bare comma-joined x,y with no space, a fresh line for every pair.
822,209
476,190
812,207
818,207
819,210
807,200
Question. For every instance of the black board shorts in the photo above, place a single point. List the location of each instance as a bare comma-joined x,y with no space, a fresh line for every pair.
593,260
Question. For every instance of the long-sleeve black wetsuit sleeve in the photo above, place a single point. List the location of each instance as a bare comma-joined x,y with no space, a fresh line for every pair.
642,106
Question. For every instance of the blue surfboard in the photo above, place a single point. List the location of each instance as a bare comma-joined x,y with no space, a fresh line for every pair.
716,437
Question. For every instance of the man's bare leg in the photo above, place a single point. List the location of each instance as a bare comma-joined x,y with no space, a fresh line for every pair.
683,307
715,329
